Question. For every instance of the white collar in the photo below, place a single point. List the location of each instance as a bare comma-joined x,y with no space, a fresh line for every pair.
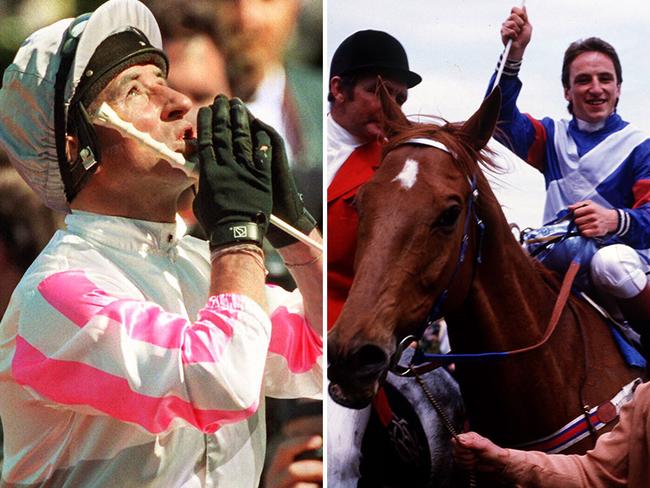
124,233
339,135
272,85
585,126
340,144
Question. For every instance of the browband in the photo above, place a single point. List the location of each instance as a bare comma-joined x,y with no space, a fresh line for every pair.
429,142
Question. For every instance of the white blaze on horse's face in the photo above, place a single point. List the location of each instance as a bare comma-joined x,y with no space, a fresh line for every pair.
409,174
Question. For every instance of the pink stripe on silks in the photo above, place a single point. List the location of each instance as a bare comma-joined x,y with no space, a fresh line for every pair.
79,299
201,341
73,383
74,295
294,339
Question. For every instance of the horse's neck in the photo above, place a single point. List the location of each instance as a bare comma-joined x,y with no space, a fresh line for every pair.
509,307
508,287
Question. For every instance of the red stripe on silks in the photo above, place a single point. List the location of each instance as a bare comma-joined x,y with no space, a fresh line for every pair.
382,407
76,297
565,436
536,151
293,339
74,383
641,192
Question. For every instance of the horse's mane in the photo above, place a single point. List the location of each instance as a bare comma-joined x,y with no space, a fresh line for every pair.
399,129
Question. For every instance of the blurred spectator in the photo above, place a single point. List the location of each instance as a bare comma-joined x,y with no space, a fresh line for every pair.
288,95
295,449
26,226
197,63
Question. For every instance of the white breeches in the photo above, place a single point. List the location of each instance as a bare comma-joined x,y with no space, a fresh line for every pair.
619,271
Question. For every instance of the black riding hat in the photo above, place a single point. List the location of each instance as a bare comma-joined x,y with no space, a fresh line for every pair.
377,51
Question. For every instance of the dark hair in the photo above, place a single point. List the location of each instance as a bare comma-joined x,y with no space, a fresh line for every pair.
180,19
347,85
589,45
350,80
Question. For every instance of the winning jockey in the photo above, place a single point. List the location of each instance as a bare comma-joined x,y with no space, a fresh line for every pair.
596,165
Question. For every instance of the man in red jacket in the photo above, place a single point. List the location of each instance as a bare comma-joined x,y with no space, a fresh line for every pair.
354,138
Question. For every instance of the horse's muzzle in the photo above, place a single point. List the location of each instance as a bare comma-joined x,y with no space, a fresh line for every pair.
355,377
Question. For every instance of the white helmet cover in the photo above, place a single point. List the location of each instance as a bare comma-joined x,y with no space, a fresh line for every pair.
27,129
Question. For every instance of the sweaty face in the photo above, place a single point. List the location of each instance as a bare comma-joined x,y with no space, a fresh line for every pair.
593,87
359,110
140,95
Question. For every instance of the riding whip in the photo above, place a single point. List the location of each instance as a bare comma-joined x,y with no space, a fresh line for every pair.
504,56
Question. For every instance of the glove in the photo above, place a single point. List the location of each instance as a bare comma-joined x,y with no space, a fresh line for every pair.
287,202
234,200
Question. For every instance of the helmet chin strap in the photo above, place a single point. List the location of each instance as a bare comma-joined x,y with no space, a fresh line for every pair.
89,154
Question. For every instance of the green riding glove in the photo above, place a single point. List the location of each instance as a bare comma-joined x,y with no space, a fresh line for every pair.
234,200
287,202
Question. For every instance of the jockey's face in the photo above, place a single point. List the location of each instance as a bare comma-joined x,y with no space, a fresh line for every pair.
358,110
593,88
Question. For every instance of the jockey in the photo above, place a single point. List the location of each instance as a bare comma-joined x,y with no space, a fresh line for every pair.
596,164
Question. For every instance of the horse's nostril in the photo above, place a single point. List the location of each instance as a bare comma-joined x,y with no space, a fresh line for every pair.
370,358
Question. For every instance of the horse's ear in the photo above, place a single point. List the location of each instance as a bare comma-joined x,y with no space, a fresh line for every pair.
479,128
393,119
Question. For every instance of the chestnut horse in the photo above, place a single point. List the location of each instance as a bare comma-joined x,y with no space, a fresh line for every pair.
432,234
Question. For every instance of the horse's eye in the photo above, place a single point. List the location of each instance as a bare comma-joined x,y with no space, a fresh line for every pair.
448,217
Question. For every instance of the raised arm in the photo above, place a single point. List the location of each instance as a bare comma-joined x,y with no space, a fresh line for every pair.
520,132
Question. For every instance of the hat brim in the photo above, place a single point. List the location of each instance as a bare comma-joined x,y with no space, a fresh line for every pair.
409,78
110,18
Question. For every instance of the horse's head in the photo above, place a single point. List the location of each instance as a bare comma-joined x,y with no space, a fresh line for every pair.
414,215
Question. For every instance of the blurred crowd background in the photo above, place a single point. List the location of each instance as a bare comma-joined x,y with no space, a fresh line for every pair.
18,18
266,52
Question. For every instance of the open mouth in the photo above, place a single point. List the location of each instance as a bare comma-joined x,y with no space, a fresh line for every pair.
596,102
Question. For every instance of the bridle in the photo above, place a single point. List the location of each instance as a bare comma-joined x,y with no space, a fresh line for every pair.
422,361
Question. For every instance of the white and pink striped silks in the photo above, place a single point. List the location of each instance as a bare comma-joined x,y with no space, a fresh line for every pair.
117,369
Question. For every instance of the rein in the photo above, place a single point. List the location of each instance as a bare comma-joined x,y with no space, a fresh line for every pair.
436,360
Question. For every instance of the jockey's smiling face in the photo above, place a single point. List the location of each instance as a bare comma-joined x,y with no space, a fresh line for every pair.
593,88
